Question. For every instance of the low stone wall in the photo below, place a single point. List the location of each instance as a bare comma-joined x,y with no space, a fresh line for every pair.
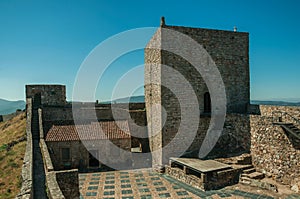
272,150
53,190
27,188
179,174
68,182
208,181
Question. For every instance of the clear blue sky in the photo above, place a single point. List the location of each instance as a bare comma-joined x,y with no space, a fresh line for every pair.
46,41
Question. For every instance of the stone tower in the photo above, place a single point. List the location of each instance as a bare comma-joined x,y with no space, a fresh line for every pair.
53,95
229,50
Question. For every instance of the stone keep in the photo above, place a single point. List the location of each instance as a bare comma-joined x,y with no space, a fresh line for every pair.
230,52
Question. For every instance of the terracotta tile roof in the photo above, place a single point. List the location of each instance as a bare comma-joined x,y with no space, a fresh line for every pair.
94,131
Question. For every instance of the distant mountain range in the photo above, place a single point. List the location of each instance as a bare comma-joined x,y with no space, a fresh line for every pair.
7,107
275,103
133,99
141,99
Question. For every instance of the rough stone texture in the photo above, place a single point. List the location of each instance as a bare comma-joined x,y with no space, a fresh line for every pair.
27,188
295,185
50,94
235,137
273,151
229,50
46,156
68,182
152,96
260,184
53,190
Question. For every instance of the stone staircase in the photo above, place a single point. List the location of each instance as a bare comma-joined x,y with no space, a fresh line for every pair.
287,122
291,129
249,175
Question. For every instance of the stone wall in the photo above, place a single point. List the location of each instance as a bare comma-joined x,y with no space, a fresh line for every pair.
68,182
273,151
54,95
235,137
229,50
152,95
27,188
53,189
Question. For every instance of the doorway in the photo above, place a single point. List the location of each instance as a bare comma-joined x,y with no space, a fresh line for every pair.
93,161
37,100
207,103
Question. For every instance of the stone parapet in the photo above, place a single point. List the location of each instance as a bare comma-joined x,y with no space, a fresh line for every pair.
27,187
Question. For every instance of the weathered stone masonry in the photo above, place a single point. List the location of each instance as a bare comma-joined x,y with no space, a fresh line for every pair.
273,151
228,49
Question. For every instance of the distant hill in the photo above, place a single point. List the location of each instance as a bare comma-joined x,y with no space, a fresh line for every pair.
7,107
275,103
141,99
133,99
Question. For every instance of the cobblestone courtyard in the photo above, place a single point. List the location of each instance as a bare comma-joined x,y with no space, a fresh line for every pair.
146,184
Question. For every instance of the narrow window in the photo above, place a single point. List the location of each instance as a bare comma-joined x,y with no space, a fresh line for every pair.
207,103
65,154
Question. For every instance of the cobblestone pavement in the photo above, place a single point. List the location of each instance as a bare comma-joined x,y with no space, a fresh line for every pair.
146,184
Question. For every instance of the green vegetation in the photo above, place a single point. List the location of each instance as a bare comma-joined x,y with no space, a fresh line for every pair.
11,159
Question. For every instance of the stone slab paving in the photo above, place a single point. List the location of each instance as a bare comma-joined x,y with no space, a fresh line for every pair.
145,184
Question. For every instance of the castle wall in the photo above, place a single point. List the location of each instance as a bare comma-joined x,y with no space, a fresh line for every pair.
26,191
273,151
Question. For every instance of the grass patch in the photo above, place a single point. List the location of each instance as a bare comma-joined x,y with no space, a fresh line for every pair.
3,147
11,161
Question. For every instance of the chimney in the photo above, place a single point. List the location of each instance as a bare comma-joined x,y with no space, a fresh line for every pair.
162,21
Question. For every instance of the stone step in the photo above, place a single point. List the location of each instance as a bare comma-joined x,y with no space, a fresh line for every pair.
245,161
247,171
243,167
245,180
254,175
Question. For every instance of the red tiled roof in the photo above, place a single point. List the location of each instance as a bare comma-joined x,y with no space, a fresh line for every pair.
94,131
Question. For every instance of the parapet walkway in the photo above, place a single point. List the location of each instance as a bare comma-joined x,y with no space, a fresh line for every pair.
39,187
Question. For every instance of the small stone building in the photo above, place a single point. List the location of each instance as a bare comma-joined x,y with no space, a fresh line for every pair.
87,146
